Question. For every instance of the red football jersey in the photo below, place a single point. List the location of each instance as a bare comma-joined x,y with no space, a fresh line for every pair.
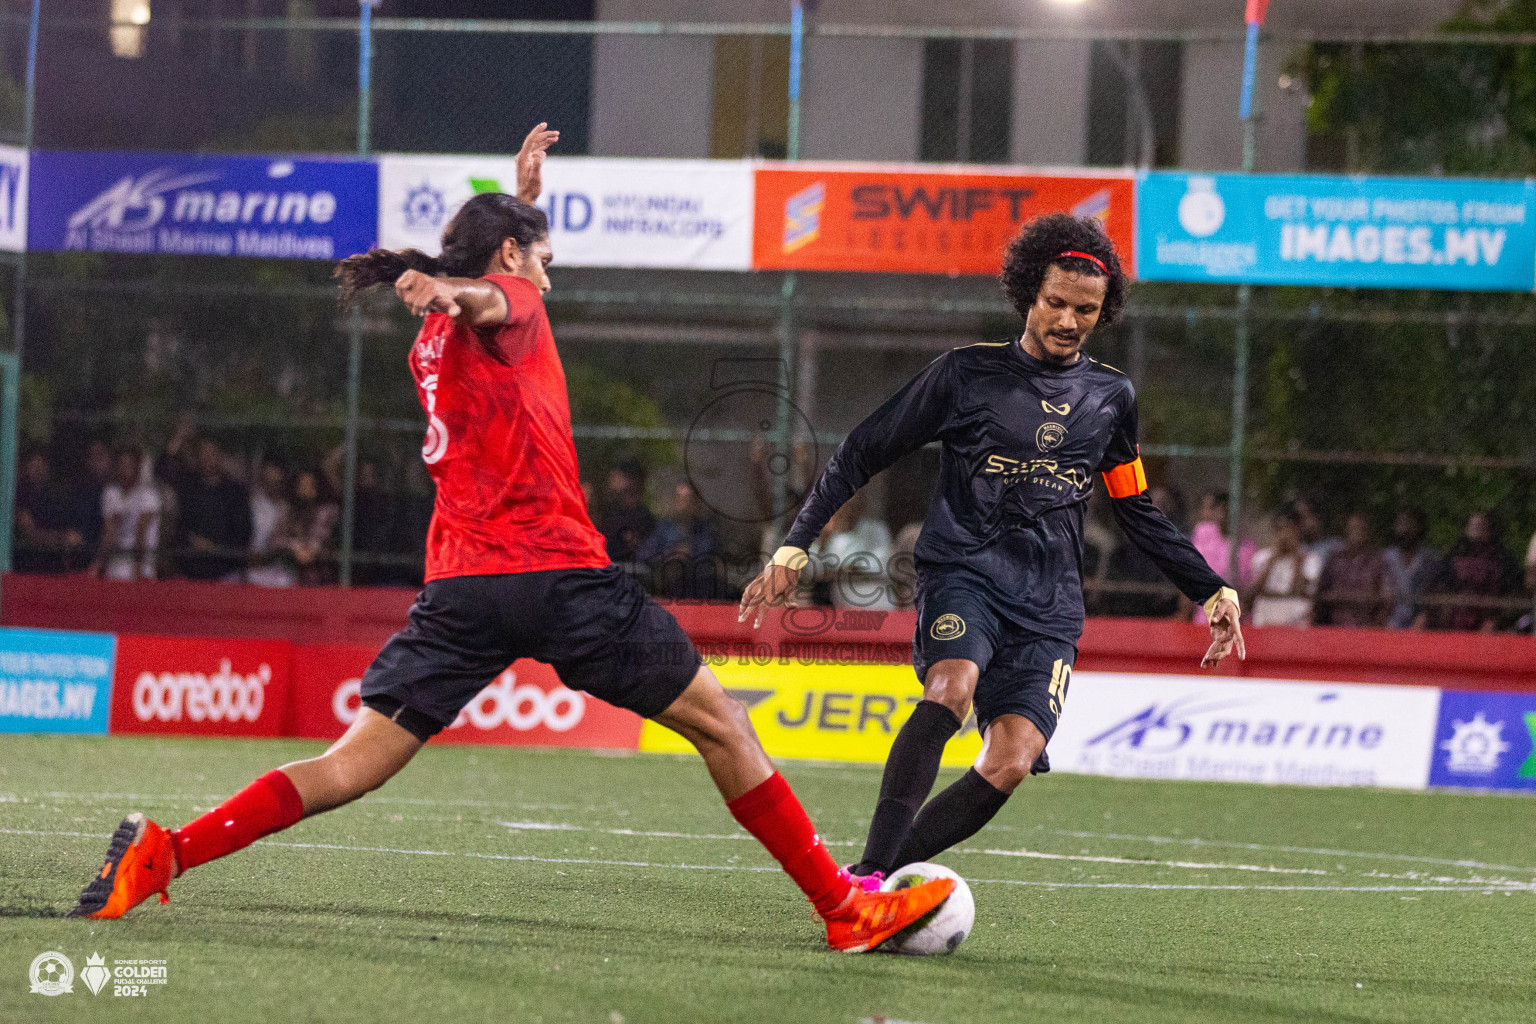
499,445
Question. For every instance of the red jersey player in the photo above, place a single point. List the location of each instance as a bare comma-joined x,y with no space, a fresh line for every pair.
514,569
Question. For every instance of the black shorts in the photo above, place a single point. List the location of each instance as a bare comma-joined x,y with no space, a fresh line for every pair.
1022,673
597,628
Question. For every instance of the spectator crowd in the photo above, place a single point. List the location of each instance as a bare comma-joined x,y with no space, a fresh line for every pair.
197,511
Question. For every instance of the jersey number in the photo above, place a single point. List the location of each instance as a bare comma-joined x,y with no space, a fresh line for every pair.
435,445
1061,678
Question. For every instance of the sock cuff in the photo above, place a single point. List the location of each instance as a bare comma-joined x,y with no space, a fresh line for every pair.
289,804
938,713
978,782
766,794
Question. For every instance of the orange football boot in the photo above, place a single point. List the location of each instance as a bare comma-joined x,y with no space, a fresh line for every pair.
140,863
867,919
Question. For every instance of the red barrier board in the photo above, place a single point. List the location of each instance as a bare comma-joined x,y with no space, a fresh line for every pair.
191,686
921,220
524,706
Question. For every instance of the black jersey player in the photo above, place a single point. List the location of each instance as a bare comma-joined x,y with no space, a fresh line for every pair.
1024,425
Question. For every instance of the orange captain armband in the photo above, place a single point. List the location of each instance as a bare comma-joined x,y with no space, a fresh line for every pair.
1126,481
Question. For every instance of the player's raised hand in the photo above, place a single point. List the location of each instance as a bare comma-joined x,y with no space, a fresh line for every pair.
1226,635
423,294
530,161
776,585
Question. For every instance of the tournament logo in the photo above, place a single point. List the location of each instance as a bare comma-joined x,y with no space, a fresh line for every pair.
95,974
1475,746
1050,436
52,974
948,626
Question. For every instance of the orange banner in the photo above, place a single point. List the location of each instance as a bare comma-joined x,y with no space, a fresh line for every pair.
920,221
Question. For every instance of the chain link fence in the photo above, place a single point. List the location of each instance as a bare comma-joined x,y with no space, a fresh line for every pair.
1366,402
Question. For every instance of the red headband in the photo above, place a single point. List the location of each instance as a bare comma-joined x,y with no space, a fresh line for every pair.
1090,257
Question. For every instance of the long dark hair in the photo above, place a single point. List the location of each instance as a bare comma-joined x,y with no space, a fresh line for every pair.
469,242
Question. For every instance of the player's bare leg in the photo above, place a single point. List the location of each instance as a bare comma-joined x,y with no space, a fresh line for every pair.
913,763
760,799
1009,751
143,857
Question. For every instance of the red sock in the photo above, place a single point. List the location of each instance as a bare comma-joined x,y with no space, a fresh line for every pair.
270,804
773,815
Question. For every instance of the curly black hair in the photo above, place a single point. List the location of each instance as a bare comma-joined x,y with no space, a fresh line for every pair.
1041,242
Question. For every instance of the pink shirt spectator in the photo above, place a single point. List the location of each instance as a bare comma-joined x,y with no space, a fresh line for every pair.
1217,551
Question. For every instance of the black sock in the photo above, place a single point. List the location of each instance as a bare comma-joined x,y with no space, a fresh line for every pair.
954,815
910,771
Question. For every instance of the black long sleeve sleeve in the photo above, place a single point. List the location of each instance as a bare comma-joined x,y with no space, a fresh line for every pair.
1143,522
907,421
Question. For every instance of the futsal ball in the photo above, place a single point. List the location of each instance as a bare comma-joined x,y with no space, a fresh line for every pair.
943,928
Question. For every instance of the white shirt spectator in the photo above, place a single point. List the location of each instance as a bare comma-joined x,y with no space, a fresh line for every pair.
855,562
131,520
1285,599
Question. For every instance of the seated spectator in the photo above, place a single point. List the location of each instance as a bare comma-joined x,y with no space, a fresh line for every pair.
46,540
308,534
1478,566
130,514
85,514
1412,568
373,513
1285,577
903,565
270,565
1353,589
682,551
215,519
626,523
1314,532
1154,596
1210,539
851,556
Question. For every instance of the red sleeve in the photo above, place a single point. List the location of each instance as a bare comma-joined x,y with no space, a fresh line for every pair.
514,338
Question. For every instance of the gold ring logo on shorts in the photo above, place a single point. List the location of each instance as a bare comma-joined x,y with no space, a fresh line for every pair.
1049,436
948,626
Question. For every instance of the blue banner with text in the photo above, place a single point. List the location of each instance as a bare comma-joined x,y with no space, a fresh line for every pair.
274,207
54,681
1459,235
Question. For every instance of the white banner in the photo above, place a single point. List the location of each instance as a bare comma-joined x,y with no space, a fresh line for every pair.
1246,730
13,198
603,212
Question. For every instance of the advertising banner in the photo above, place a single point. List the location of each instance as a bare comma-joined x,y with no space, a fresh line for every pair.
203,205
1485,741
822,712
918,220
524,706
13,198
1349,231
192,686
603,212
1246,730
54,681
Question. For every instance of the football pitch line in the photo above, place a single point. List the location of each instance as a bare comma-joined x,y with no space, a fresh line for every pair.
1452,887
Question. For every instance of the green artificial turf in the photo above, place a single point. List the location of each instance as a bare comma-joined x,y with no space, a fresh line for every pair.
468,890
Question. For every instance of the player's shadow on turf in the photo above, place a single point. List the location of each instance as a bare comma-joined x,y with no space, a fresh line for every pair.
33,911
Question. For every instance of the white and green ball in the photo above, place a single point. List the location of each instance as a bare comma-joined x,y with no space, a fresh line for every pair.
943,928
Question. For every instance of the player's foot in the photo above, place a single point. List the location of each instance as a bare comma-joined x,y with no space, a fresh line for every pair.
867,919
140,863
869,883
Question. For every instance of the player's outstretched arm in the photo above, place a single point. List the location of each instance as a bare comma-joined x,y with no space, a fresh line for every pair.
776,585
473,303
530,161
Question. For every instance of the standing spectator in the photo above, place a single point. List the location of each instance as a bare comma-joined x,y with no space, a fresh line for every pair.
46,542
86,513
1412,568
373,510
1210,539
215,519
626,523
1314,532
851,556
682,550
1285,577
270,566
308,536
130,515
1478,566
1353,589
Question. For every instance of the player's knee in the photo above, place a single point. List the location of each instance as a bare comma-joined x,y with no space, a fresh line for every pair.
952,684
